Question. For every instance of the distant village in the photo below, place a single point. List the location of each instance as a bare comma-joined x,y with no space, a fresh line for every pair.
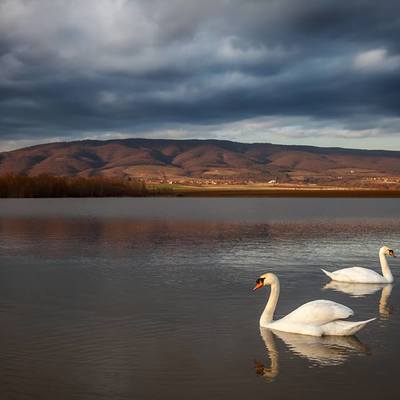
352,179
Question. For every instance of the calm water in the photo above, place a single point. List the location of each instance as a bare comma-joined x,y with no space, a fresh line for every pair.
151,298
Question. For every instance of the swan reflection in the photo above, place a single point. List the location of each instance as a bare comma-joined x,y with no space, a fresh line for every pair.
364,289
271,372
321,351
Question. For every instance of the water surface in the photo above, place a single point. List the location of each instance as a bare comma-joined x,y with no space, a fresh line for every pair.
151,298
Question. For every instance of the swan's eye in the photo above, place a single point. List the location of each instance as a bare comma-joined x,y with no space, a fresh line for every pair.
260,280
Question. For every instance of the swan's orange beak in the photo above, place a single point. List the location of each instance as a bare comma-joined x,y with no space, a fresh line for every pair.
259,284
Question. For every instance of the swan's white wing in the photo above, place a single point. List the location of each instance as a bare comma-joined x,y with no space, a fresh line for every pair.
344,328
318,312
357,274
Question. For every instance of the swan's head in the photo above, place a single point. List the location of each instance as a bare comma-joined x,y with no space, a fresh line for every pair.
387,251
265,280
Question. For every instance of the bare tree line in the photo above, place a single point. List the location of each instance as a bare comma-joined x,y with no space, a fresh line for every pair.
57,186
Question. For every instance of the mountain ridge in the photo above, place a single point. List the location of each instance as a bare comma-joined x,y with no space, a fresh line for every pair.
201,159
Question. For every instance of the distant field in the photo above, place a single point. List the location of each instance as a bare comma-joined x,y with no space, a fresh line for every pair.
269,191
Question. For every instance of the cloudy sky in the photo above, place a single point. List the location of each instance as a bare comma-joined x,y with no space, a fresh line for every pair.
315,72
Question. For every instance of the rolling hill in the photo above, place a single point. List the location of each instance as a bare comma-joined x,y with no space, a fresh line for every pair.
180,160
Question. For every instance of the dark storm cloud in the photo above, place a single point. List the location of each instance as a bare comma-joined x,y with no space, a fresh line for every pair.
72,68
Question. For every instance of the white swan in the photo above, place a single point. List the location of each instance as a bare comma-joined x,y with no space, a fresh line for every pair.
316,318
365,275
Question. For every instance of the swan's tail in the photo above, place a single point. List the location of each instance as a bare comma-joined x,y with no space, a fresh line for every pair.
327,273
344,328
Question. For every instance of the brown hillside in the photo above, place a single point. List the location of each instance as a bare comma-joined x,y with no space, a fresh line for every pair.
200,159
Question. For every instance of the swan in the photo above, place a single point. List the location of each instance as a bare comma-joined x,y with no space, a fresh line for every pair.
365,275
316,318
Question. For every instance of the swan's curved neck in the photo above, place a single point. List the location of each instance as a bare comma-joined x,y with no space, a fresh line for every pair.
385,267
268,314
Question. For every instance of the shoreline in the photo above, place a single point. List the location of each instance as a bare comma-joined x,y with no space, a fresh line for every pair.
250,193
14,187
280,192
262,190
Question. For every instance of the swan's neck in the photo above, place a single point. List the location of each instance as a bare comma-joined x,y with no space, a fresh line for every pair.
385,267
268,314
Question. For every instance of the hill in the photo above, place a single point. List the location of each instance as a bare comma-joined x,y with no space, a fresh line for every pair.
211,161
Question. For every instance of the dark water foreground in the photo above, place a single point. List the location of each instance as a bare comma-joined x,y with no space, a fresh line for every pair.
151,299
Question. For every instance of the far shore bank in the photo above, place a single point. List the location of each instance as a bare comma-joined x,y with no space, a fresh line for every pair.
241,191
45,186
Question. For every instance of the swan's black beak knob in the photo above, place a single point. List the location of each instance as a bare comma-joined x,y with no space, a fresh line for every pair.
259,284
391,253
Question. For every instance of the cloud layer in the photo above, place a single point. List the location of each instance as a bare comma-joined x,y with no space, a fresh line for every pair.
281,70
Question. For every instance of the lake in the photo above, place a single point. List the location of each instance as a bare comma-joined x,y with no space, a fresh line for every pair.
150,298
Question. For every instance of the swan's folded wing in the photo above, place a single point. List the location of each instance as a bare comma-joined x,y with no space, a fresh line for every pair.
318,312
356,274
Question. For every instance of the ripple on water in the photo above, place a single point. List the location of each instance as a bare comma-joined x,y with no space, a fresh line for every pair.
100,305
